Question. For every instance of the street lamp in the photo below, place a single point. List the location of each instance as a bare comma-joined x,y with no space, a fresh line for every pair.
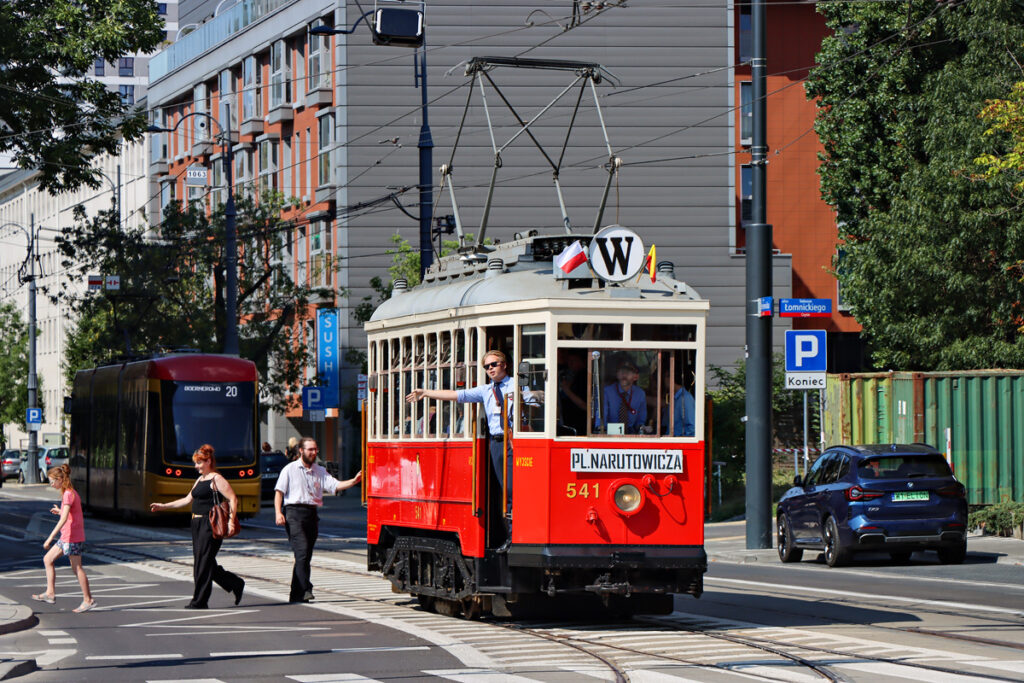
403,27
33,384
230,237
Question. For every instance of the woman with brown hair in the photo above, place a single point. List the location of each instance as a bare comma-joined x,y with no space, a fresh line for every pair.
72,538
205,569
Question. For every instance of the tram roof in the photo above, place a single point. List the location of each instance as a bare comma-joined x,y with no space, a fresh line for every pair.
521,271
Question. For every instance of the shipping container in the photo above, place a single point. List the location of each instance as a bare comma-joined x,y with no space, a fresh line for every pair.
975,417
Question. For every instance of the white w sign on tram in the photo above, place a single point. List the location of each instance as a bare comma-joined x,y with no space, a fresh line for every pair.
617,254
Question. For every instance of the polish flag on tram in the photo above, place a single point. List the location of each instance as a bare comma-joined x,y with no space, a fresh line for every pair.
571,257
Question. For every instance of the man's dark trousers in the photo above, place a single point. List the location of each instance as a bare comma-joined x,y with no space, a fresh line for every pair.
303,526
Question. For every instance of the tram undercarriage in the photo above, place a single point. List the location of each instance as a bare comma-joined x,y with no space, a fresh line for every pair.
529,578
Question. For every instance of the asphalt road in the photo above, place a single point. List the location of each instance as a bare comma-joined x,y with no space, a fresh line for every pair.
872,621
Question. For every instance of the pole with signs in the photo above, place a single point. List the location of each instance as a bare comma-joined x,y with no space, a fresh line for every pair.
806,363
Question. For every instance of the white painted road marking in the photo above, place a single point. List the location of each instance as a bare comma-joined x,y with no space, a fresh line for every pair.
173,655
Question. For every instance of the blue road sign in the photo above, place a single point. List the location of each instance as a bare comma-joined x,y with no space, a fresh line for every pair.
805,308
313,398
805,351
34,415
764,307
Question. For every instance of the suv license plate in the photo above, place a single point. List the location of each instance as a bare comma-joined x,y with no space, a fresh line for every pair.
905,496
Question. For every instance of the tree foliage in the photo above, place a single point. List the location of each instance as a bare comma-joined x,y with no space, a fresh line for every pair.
52,116
13,365
172,290
1006,116
930,263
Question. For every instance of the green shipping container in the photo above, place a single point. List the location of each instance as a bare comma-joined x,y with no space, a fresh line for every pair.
983,411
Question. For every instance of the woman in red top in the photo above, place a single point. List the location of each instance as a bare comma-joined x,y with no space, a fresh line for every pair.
72,538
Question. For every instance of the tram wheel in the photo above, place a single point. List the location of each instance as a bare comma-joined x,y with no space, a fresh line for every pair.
447,608
427,602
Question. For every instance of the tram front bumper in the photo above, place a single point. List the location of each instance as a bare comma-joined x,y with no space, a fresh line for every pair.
579,556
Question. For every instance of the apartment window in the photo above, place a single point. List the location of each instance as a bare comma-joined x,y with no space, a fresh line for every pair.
320,253
127,93
161,9
251,105
218,188
243,171
100,67
158,141
196,197
126,66
200,106
299,66
228,114
300,166
746,36
268,165
166,194
279,74
746,193
300,256
286,167
326,130
746,112
319,61
309,158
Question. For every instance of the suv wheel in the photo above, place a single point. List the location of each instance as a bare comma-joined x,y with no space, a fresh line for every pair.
784,541
954,554
836,554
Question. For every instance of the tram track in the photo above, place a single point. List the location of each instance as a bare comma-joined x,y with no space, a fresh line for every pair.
601,643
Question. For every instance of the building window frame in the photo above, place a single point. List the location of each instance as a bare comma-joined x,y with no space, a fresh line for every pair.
325,144
99,68
251,100
226,100
127,93
746,194
268,165
200,106
318,72
280,74
126,67
746,112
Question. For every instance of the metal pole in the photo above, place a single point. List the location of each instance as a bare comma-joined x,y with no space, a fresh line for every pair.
796,465
230,246
759,329
426,146
118,197
33,385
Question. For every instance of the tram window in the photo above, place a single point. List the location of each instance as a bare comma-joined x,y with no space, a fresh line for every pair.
658,332
641,392
572,392
447,368
532,345
196,413
459,379
587,331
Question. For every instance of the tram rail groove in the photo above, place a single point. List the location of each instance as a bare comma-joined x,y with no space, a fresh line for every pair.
578,642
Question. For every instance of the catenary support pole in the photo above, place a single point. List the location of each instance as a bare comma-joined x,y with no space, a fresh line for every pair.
426,147
33,381
758,328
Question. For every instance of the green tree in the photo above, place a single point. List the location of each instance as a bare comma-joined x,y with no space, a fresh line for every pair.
53,117
172,290
1006,123
13,366
930,258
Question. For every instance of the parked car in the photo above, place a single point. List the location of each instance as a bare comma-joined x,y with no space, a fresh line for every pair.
11,462
892,498
51,456
271,465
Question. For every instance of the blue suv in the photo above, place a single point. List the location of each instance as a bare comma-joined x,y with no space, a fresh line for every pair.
891,498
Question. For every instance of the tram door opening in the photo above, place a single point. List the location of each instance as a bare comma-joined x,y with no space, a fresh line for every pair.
497,338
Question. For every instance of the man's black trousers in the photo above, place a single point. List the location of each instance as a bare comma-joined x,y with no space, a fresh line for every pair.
303,525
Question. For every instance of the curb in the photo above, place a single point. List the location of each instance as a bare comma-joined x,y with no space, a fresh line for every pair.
24,618
16,667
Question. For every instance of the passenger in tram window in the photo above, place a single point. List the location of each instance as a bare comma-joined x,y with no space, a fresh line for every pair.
572,392
496,399
682,403
624,402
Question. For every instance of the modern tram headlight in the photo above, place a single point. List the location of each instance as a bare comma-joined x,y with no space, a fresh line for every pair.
627,498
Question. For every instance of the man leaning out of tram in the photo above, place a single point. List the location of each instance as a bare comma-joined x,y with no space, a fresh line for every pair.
494,396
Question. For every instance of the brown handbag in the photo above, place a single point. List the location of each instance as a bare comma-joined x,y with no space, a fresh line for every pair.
220,514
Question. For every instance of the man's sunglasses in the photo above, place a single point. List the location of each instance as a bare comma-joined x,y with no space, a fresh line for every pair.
492,364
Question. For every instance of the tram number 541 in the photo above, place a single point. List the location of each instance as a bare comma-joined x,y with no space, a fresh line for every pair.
584,491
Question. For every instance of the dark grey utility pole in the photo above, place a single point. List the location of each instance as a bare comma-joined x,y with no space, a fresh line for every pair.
33,474
426,147
759,284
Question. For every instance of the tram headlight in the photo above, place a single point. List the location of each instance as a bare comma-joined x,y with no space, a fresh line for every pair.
628,499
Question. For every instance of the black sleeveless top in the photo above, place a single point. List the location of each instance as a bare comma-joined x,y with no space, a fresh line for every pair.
202,497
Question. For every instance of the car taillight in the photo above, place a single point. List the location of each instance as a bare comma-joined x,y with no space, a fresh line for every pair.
47,460
954,490
857,493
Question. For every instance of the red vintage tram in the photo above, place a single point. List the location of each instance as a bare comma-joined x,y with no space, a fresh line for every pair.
605,505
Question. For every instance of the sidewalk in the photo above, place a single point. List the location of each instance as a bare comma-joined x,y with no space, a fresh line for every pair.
15,617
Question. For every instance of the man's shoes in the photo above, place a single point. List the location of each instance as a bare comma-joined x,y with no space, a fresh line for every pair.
308,597
504,546
238,591
194,606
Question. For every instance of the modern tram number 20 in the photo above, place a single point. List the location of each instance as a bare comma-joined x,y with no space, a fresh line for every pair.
585,490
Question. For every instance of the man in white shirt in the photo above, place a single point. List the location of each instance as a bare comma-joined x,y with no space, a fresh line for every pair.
495,398
297,497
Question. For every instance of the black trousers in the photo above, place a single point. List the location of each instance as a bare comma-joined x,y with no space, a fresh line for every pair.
303,526
205,570
495,447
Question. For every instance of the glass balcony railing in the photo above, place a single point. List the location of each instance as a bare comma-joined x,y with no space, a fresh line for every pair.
211,34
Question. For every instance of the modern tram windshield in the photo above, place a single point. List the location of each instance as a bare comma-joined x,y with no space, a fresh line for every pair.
220,414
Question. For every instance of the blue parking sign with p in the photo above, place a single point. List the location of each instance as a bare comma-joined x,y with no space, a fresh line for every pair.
34,415
806,351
